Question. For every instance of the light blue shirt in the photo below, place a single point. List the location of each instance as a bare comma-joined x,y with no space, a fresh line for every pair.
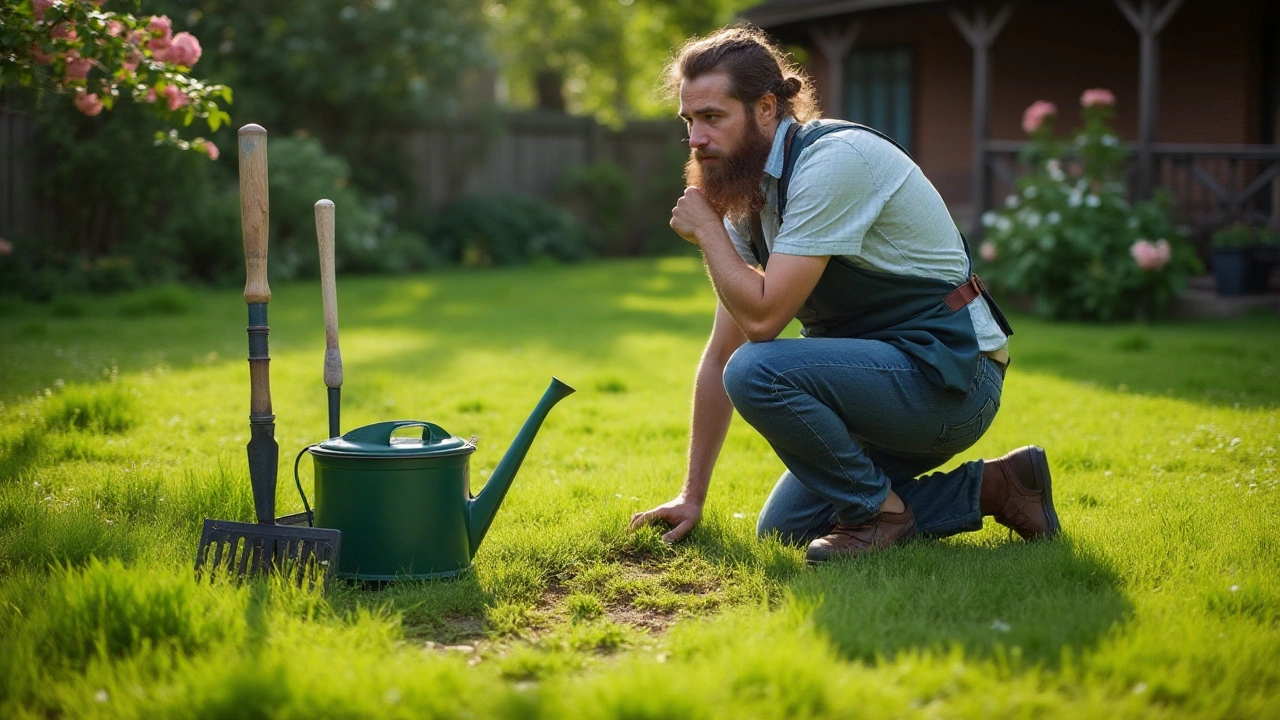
856,195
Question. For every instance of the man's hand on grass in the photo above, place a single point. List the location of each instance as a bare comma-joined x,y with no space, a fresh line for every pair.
681,514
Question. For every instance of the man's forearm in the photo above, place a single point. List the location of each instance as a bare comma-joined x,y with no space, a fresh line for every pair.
712,412
739,287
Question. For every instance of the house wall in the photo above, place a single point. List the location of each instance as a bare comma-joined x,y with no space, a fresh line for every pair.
1211,70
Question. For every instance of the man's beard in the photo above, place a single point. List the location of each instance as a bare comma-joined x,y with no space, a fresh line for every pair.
732,182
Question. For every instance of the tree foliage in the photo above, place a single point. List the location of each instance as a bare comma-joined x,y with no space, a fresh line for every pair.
605,56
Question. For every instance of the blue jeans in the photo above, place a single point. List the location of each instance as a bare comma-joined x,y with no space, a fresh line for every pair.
852,419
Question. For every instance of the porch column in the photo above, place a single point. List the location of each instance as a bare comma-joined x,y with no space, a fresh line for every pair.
980,31
1148,19
834,43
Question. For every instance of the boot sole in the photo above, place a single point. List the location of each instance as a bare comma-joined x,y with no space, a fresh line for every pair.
1044,483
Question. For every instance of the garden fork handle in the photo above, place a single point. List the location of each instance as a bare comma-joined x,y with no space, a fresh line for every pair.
263,450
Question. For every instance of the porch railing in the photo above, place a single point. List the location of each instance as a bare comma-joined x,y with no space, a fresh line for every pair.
1211,185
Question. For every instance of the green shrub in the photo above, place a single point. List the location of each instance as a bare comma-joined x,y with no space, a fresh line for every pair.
1242,235
68,306
170,299
1069,238
599,196
110,274
507,230
106,408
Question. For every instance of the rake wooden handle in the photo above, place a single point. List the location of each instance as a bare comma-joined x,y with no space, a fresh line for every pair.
254,211
329,291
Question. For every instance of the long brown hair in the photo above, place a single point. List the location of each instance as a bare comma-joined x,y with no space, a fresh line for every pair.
755,67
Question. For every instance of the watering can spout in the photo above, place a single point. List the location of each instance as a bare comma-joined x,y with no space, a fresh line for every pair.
485,505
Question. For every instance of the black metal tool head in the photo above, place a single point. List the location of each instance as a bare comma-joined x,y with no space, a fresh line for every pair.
302,554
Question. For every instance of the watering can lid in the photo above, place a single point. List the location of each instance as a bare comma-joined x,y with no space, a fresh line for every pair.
376,441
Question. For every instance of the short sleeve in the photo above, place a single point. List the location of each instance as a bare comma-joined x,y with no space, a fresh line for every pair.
833,199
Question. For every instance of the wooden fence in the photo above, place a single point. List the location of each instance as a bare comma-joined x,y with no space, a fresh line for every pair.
522,153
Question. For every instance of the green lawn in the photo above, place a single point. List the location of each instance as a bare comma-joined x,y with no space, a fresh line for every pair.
121,428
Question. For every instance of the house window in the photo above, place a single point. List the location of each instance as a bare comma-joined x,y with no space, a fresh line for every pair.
878,91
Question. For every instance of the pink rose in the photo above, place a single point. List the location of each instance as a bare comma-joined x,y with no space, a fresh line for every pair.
39,6
987,251
1097,96
39,56
131,61
88,103
78,67
175,97
1150,256
211,149
65,31
114,28
164,26
138,37
151,95
1034,116
183,50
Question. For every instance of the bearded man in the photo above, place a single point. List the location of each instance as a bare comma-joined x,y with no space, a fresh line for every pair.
904,358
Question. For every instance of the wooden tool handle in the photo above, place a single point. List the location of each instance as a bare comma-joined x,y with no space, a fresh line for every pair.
254,211
329,291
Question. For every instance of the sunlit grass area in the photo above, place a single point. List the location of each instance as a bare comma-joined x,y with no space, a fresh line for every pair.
121,430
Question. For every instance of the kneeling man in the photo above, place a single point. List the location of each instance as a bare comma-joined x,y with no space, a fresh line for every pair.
904,353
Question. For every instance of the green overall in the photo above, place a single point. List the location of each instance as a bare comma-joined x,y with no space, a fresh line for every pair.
908,312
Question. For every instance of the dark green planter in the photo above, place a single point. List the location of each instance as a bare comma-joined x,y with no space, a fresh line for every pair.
1236,272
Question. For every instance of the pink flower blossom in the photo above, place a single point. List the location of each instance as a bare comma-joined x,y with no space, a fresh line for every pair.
78,67
131,61
39,56
160,24
6,247
1034,116
39,6
1097,96
115,28
151,95
183,50
987,251
175,97
65,31
1151,256
88,103
211,149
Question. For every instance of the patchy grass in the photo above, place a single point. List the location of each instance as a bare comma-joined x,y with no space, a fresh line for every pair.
120,431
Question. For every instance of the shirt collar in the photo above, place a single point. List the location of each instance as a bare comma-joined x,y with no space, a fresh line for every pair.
773,166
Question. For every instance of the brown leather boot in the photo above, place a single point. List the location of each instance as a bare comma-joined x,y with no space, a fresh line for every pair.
1016,489
851,540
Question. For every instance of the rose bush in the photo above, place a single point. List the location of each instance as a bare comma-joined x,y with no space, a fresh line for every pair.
76,48
1069,238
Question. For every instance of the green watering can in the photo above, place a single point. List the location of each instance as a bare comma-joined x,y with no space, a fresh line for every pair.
404,505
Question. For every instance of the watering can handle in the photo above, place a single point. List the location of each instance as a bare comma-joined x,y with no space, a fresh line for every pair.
380,433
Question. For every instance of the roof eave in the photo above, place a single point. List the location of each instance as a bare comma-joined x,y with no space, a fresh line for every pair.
769,15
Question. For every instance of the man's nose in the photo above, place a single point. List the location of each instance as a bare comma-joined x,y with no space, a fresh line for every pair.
698,138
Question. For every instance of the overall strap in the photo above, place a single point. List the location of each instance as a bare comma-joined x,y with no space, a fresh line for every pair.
797,143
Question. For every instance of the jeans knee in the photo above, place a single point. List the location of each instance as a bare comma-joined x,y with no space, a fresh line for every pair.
744,377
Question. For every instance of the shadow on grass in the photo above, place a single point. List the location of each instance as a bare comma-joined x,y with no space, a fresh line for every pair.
1048,600
1214,362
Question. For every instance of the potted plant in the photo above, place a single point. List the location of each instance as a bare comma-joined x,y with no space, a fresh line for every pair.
1243,255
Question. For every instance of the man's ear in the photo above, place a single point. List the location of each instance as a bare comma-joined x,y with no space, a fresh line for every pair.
766,108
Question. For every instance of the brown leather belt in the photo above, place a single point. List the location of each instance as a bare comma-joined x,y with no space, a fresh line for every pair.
965,294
